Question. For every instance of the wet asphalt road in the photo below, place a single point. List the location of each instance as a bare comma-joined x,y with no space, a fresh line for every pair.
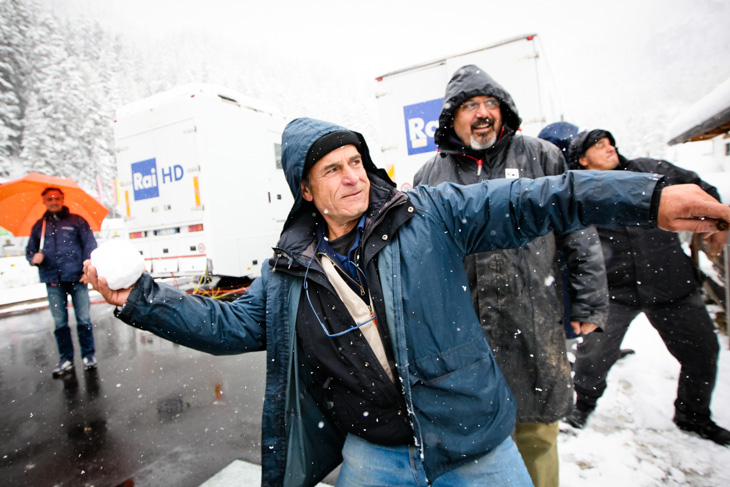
152,414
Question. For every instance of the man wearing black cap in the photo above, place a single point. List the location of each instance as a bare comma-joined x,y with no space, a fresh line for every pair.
518,293
649,272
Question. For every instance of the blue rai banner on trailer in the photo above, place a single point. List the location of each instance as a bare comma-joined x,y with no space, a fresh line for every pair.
144,179
422,120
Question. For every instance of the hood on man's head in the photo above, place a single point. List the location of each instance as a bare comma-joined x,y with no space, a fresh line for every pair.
467,82
560,134
583,141
307,140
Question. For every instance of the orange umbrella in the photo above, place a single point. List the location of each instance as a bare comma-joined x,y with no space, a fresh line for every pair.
21,204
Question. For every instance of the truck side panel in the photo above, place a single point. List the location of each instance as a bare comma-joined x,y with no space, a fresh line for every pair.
199,172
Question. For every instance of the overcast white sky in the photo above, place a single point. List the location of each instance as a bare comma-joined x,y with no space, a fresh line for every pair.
625,65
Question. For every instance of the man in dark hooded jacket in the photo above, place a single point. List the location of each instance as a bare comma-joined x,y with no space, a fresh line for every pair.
649,272
518,293
375,357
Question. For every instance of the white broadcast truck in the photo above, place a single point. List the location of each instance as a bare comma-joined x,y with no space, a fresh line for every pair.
200,181
409,100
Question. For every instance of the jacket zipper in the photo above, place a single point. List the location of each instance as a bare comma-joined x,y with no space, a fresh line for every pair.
479,162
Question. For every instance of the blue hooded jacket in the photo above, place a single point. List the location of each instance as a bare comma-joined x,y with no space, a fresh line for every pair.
458,402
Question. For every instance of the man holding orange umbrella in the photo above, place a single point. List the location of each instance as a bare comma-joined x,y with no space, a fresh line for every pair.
59,243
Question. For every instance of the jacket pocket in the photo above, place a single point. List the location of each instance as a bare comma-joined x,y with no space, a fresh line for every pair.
465,412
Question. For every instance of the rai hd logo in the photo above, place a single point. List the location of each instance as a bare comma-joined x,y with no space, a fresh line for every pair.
144,179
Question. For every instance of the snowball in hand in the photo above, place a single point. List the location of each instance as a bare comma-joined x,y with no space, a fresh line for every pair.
118,262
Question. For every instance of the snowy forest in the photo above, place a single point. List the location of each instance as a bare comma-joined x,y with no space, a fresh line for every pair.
59,86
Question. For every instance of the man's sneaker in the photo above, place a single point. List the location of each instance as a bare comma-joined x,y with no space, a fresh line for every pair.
62,367
578,417
706,429
89,362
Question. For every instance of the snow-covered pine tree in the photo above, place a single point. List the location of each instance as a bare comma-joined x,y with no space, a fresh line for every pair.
71,84
53,123
16,18
100,74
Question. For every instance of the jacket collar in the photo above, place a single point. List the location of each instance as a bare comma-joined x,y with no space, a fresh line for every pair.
64,213
623,163
298,241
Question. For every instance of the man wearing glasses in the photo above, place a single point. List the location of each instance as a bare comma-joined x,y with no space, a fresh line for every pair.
59,244
518,293
375,356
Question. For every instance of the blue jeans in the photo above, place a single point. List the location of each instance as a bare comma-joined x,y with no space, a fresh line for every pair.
58,302
369,465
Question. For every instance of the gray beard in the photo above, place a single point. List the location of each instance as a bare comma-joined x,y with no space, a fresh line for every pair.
479,143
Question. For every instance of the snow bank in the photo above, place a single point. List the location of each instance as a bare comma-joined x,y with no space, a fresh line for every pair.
16,272
630,438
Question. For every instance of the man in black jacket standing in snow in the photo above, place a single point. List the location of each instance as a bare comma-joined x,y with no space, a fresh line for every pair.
649,272
518,293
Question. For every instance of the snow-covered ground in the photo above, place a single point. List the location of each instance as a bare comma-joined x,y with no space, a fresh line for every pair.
630,438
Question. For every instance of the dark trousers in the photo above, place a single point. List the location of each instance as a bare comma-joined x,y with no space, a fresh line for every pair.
58,302
689,335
